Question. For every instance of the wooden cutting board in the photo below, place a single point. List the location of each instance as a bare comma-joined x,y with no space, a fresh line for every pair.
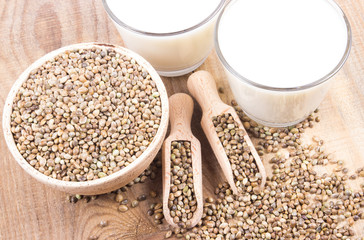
29,210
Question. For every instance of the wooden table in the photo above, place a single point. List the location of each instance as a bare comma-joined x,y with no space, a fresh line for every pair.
29,210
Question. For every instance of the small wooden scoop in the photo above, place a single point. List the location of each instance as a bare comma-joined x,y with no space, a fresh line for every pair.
181,109
202,86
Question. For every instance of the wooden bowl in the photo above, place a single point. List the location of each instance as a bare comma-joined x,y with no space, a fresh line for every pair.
115,180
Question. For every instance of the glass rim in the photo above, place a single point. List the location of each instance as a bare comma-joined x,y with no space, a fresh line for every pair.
128,27
288,89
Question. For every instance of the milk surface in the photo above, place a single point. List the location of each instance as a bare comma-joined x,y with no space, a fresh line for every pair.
282,43
162,16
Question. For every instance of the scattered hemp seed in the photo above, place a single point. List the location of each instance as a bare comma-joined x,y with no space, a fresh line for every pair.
158,221
124,202
158,216
134,203
103,223
156,211
119,197
150,212
168,234
158,206
123,208
142,197
353,177
182,201
296,203
85,114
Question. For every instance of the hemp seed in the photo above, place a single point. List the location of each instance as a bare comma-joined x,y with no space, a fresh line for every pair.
245,171
182,201
85,114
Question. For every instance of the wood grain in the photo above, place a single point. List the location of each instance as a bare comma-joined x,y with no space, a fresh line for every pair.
28,210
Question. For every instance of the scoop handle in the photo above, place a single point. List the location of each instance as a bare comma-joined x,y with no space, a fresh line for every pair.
202,87
181,109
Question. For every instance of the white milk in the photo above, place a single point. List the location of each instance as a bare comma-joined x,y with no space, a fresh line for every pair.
164,31
286,44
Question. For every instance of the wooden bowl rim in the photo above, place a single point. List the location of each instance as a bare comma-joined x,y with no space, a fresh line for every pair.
157,140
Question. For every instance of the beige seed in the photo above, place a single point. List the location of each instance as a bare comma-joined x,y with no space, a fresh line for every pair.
134,203
123,208
79,107
168,234
158,216
119,197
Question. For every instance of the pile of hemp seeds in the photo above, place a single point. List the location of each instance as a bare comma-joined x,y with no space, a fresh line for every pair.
297,202
182,201
85,114
246,174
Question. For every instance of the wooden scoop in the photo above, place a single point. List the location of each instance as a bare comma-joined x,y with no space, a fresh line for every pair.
202,86
181,109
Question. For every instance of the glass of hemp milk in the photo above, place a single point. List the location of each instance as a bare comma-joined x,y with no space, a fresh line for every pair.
280,56
175,36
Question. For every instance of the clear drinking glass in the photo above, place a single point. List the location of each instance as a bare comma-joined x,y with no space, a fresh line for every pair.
173,53
276,106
